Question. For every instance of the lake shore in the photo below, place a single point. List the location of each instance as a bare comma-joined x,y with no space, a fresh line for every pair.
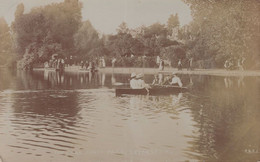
123,70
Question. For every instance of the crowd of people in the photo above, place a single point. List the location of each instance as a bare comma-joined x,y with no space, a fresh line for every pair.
161,64
56,63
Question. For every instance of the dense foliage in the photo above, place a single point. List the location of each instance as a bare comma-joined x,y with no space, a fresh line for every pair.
225,29
6,54
45,31
220,30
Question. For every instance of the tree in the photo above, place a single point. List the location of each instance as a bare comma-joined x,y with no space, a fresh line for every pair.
123,29
19,10
173,23
86,39
5,43
227,29
46,30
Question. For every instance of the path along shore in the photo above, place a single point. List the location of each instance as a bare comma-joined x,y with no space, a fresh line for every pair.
123,70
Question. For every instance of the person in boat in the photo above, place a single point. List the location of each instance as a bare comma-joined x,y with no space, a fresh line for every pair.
155,80
140,82
167,80
133,81
176,80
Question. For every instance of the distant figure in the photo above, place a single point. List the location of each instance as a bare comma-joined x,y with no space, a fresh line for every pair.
190,64
226,64
158,60
86,64
155,80
102,62
229,64
81,64
91,66
161,66
133,81
61,64
179,65
176,80
240,63
113,62
46,64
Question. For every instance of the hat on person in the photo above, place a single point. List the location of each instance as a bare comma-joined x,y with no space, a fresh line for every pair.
133,75
139,76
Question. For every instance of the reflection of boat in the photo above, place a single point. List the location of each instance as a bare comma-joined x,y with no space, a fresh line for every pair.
156,90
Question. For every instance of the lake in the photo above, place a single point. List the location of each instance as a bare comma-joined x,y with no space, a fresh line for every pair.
75,117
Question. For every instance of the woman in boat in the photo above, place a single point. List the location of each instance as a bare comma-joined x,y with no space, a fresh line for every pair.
176,80
140,82
133,81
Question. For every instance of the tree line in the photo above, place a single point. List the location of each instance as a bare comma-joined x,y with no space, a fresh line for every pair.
220,30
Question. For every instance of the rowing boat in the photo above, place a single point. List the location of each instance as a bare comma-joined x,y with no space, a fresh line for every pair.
155,90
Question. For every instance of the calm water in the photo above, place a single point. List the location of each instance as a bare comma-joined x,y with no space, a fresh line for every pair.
75,117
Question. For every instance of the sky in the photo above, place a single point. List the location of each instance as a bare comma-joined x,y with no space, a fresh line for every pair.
107,15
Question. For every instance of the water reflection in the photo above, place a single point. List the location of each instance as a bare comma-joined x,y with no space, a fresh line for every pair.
228,120
76,116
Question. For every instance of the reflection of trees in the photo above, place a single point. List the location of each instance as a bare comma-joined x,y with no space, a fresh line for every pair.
6,78
228,120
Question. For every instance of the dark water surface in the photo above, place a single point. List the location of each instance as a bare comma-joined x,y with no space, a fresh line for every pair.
75,117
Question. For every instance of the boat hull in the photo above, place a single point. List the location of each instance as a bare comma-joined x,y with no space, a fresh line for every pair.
152,91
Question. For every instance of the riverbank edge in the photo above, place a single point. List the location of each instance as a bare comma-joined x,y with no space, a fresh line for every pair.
123,70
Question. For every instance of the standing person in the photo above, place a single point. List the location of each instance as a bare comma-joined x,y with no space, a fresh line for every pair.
190,64
176,80
113,62
226,64
161,66
81,64
103,62
93,67
240,63
86,64
179,65
158,60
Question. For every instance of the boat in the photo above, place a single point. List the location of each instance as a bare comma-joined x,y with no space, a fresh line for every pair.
154,90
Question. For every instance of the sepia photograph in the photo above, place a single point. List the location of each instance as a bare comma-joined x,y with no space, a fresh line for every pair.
129,80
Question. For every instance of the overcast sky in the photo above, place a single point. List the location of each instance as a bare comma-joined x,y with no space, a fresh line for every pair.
107,15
